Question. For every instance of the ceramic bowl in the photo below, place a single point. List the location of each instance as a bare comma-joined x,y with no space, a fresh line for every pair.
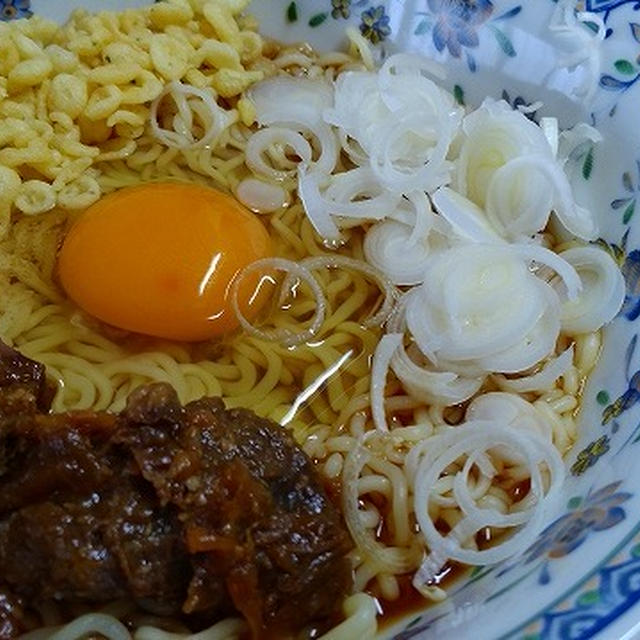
581,578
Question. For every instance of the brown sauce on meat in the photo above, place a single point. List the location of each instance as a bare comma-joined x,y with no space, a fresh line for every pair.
192,512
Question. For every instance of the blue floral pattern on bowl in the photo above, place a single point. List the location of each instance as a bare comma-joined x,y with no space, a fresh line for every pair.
626,71
457,22
374,24
588,456
627,203
606,594
14,9
607,6
373,18
597,511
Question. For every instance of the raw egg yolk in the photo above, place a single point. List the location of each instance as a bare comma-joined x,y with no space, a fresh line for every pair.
159,259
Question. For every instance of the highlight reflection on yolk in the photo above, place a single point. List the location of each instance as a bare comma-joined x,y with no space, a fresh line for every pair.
159,259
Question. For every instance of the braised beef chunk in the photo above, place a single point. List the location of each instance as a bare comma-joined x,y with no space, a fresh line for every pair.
12,615
23,386
194,511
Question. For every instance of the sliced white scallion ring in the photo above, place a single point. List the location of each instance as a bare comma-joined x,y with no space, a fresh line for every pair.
357,194
345,262
536,344
543,379
320,208
554,261
398,250
260,196
397,141
551,131
403,80
473,438
510,410
571,140
468,506
519,198
476,301
260,142
429,569
580,44
357,109
379,369
214,119
352,148
329,147
283,335
358,43
576,219
315,205
300,112
466,218
388,246
530,108
466,368
494,134
397,322
425,217
304,101
602,293
431,385
402,173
